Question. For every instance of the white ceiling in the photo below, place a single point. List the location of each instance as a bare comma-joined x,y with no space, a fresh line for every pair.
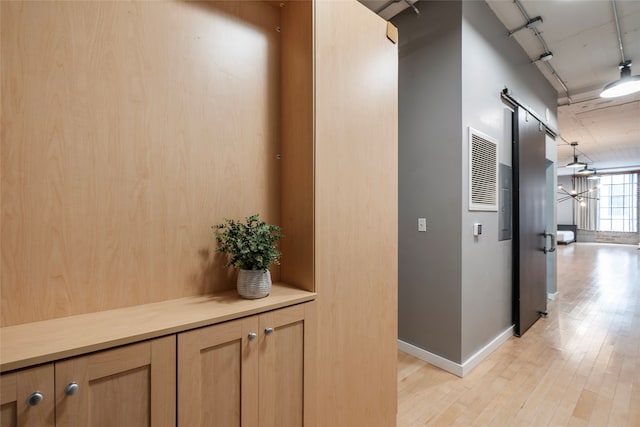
583,39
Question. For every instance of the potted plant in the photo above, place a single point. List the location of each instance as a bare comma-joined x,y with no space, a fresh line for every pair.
251,247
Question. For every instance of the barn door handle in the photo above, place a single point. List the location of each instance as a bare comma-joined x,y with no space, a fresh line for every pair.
553,242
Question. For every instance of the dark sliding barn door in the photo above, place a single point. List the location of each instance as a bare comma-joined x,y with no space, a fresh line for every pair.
529,184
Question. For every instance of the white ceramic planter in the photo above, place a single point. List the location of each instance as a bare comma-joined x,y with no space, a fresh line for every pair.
254,284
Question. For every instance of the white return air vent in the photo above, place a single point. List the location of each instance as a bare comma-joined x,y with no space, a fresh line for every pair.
483,172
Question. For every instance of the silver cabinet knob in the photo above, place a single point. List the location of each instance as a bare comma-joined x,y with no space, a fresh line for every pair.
252,336
35,398
268,331
71,388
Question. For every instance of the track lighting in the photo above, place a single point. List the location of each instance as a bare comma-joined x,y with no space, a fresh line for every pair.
531,24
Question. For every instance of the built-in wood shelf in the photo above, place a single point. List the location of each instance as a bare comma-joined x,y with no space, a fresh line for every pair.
40,342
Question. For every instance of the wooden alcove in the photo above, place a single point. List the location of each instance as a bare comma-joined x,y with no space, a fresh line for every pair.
129,129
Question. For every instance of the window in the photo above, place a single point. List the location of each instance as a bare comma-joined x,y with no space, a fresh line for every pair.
618,204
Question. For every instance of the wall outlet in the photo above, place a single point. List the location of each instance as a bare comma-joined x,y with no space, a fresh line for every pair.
422,224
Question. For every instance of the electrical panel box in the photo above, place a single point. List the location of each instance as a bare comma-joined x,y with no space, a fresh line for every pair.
504,208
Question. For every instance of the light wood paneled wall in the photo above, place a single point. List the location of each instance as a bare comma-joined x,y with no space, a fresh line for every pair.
128,129
297,144
356,216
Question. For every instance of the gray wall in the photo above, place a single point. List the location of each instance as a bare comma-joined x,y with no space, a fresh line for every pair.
455,58
491,61
429,294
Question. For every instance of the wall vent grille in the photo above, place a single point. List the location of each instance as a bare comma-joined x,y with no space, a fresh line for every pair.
483,172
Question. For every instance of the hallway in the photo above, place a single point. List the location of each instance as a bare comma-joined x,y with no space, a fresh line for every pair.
578,367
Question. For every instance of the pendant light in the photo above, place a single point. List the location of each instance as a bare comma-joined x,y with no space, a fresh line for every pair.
575,163
627,84
594,176
586,171
580,197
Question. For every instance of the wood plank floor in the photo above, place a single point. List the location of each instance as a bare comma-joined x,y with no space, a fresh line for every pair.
578,367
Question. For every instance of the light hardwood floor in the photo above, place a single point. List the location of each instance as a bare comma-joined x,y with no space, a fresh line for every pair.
578,367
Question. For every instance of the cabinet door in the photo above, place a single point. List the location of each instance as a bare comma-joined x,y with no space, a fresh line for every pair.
132,385
282,367
217,375
16,389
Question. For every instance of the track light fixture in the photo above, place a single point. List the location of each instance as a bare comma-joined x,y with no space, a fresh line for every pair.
531,24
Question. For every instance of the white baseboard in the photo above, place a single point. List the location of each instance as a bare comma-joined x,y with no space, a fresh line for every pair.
426,356
454,368
552,296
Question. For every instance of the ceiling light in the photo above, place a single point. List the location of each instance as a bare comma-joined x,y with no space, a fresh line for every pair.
534,22
627,84
575,163
595,175
580,197
531,24
545,57
585,171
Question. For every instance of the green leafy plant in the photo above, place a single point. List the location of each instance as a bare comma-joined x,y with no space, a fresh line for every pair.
250,245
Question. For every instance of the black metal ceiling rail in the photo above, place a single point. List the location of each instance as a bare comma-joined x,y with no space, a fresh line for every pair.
507,96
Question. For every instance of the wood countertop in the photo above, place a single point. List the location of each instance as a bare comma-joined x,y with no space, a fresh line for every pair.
46,341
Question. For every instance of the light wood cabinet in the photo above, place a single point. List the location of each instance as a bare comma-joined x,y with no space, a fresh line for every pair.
318,156
216,364
247,372
15,390
251,371
124,371
131,385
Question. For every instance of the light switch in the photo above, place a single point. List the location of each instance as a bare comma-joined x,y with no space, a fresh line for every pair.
422,224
